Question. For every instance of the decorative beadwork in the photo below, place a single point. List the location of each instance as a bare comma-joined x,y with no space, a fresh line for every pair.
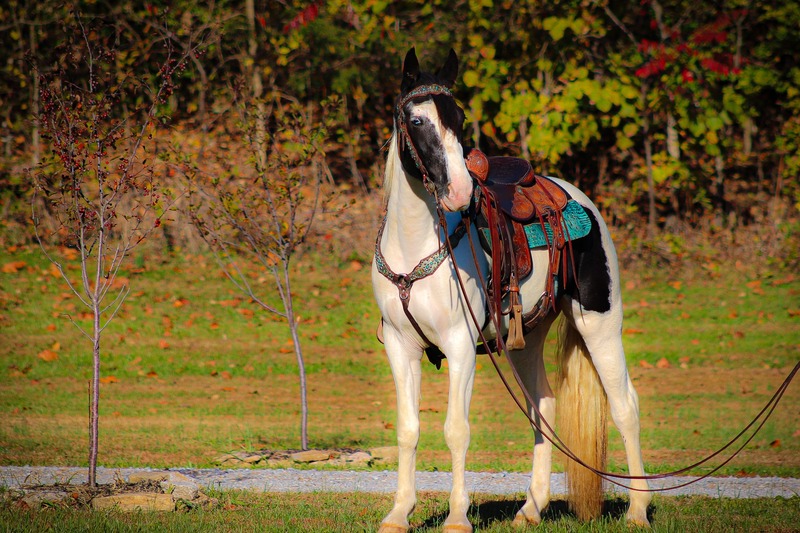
426,267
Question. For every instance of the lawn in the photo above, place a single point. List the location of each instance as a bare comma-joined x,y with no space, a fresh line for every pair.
325,512
191,369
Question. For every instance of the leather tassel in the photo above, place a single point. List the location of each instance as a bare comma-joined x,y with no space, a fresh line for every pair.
515,339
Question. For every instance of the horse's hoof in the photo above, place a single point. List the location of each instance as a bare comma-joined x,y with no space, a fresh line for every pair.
457,528
522,520
388,527
638,521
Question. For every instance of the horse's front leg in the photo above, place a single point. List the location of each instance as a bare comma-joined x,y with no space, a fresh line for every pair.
407,371
456,433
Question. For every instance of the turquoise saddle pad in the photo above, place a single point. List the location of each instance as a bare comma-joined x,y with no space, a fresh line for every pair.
576,224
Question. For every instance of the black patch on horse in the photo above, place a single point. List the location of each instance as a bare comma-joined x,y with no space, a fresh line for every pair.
592,284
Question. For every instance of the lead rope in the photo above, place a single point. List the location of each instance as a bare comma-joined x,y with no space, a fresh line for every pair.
556,440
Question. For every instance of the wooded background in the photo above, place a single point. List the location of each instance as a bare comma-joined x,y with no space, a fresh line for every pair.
674,115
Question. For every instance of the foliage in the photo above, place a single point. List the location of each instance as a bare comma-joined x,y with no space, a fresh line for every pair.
586,90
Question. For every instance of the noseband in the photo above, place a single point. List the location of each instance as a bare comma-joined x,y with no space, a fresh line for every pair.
404,139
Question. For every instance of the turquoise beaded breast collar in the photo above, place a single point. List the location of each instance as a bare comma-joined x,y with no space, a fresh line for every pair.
426,267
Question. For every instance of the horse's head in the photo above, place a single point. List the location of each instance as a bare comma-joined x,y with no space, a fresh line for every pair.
429,126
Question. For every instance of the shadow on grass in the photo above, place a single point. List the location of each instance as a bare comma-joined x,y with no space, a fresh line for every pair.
488,513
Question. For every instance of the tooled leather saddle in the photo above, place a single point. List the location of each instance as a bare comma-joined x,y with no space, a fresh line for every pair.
511,197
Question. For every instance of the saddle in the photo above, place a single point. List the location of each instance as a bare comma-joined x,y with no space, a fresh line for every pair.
511,197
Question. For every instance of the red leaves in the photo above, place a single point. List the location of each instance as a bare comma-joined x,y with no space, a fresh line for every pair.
303,18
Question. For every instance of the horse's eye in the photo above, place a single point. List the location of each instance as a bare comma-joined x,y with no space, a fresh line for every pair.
416,121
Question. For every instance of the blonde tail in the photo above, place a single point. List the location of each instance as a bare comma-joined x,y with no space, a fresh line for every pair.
582,422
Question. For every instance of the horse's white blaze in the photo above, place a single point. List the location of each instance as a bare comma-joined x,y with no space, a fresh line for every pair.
459,189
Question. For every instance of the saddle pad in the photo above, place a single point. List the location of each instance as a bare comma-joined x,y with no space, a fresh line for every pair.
576,224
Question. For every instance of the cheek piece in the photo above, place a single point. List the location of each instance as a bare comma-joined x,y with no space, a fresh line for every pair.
404,139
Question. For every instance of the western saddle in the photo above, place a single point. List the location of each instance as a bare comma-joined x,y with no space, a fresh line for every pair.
509,197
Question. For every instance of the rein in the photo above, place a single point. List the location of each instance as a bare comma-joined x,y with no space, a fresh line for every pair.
555,440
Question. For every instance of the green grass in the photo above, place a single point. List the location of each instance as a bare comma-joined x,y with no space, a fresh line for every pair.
198,370
325,512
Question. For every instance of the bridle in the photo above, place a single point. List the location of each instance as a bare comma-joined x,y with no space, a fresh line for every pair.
404,139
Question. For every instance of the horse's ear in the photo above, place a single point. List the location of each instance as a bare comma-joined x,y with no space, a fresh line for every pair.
449,70
410,69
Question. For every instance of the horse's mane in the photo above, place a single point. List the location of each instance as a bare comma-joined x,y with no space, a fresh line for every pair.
393,165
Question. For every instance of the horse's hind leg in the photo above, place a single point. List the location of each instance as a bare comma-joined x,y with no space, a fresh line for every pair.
602,335
530,364
407,372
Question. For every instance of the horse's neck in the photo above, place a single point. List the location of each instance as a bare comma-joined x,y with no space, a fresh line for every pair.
412,230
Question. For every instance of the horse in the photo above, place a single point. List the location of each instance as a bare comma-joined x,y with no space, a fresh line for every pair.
426,307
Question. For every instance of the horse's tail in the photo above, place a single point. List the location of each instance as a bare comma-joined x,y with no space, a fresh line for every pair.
582,422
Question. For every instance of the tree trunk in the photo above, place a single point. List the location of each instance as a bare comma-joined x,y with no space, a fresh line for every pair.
35,137
288,304
651,189
673,144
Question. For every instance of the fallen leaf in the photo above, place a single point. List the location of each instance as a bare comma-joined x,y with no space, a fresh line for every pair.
13,267
225,374
775,444
152,374
51,327
247,313
676,285
47,355
180,302
163,344
794,312
632,331
56,346
69,254
109,379
663,363
645,364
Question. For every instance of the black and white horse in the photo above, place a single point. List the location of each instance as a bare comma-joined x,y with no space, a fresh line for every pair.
416,288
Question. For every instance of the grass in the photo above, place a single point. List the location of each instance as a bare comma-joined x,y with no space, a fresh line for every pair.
194,370
326,512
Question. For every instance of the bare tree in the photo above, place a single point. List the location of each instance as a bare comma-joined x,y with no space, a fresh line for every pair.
98,179
263,218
